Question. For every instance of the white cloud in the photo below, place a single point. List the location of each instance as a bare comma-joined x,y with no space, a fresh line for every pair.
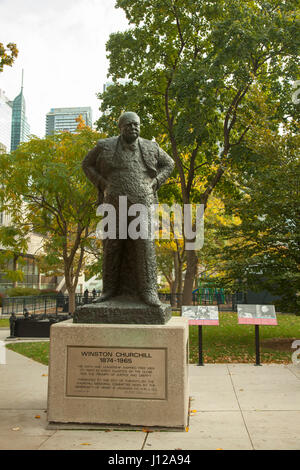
62,51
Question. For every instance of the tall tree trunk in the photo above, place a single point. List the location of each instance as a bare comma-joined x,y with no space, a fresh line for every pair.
173,289
70,289
178,276
190,275
72,303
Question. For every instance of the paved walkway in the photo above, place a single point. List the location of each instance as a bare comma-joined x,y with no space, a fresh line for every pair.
233,406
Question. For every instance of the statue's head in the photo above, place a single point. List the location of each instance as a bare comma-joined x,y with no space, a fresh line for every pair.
129,125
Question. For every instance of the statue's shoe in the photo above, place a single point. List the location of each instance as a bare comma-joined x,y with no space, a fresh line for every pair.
151,299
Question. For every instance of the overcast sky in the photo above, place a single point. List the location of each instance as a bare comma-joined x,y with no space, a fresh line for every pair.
62,51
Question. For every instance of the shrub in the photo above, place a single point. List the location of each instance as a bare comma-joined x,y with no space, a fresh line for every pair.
47,291
164,290
21,291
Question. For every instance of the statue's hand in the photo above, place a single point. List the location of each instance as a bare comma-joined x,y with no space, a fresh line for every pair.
102,183
154,185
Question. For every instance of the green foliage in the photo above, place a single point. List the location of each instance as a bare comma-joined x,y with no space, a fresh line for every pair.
14,241
45,191
262,250
193,71
8,54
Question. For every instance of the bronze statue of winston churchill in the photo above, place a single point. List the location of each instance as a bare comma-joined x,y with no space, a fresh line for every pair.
128,165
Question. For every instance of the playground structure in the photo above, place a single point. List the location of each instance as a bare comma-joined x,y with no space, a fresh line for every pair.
209,295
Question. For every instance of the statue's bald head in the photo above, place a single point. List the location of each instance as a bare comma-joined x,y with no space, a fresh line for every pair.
129,125
127,117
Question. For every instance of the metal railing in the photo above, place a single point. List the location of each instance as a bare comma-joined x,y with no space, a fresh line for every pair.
38,304
227,302
59,303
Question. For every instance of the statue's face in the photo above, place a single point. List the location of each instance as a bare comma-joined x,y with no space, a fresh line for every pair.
130,127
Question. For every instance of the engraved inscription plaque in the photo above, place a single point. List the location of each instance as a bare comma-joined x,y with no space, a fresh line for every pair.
116,372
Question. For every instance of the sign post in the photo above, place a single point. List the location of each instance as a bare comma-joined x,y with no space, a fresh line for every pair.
256,315
201,315
200,349
257,350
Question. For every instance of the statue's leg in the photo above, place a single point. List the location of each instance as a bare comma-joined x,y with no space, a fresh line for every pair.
147,271
112,251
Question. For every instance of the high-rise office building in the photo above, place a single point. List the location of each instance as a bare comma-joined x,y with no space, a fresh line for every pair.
20,129
5,122
66,119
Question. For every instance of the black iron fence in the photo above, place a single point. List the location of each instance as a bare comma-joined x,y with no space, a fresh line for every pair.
55,304
38,304
225,302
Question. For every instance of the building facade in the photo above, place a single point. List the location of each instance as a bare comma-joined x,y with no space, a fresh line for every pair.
5,122
66,119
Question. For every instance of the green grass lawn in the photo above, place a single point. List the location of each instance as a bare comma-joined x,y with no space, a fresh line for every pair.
4,323
231,342
39,351
226,343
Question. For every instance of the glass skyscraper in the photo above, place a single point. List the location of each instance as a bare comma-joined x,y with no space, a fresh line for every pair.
66,119
20,129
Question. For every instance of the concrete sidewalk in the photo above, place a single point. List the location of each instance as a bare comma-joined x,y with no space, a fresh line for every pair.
233,406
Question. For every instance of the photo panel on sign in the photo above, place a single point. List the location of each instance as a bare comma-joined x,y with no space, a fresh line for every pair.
201,314
256,314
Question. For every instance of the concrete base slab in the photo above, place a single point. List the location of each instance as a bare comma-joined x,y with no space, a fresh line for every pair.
132,375
95,440
207,431
274,430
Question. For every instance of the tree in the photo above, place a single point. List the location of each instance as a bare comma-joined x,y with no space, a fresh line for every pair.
263,246
7,54
46,192
190,69
14,242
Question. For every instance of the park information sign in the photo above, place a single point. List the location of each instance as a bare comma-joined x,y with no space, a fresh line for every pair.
256,314
201,314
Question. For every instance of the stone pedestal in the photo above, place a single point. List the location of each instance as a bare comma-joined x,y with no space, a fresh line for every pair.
118,374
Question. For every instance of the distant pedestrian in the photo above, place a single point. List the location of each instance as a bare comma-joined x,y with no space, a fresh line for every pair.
86,296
